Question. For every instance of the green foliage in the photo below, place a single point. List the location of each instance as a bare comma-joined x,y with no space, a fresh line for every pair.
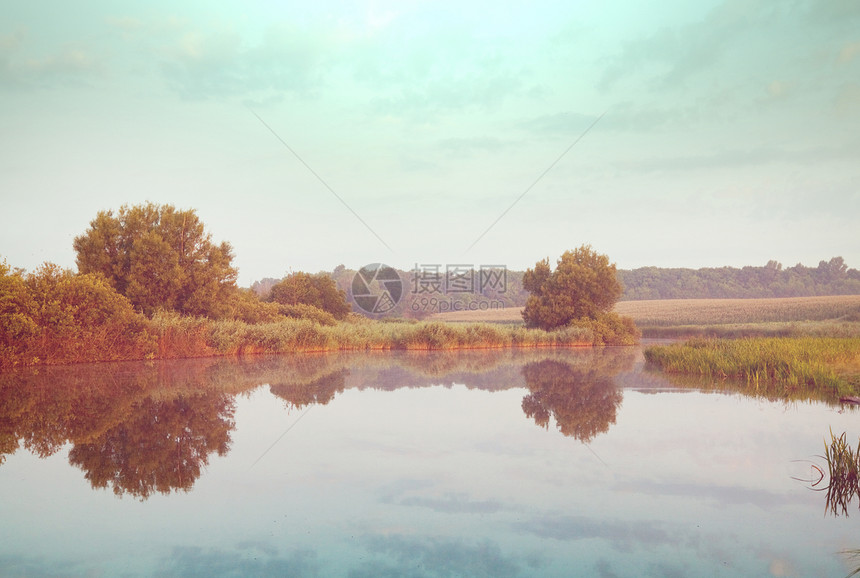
54,316
159,258
318,290
583,285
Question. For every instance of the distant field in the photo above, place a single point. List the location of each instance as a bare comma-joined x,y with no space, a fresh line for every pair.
705,312
724,311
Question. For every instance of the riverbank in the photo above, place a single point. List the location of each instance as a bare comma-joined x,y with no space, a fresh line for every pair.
170,336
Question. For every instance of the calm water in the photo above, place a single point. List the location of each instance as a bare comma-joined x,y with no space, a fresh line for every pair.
541,463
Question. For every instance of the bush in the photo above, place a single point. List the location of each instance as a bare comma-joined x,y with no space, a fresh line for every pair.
302,311
54,316
318,290
609,329
247,307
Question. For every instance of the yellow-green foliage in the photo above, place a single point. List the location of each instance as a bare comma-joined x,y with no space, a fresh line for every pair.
819,362
16,306
317,290
159,258
247,307
583,285
55,316
610,329
302,311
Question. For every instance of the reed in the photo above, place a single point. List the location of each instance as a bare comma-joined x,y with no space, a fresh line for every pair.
826,363
184,337
843,463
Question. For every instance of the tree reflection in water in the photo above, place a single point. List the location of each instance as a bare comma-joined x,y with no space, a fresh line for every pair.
145,428
582,399
136,428
163,447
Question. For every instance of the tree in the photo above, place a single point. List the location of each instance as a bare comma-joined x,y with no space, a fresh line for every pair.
583,285
318,290
159,257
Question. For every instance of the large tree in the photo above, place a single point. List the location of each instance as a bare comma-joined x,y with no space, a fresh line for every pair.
583,285
159,257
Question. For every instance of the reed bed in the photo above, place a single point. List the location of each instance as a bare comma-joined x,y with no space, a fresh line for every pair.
203,337
828,363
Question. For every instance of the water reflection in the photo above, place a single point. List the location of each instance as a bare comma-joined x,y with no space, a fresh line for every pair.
163,446
766,390
583,399
144,428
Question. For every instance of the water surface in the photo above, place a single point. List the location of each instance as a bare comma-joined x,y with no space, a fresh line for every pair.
483,463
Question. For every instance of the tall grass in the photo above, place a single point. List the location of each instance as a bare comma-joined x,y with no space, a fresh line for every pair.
183,337
829,364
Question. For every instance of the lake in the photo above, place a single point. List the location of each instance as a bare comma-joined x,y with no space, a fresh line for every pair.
476,463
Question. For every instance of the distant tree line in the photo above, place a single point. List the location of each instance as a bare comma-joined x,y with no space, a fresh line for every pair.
831,277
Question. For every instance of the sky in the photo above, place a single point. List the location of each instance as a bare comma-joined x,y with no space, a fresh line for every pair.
314,134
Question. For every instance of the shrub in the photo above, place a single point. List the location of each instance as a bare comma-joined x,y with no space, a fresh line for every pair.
318,290
302,311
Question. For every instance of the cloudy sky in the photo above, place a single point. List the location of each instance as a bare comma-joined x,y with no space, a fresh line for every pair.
310,134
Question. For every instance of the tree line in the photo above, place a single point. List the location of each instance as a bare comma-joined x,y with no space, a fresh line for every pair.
831,277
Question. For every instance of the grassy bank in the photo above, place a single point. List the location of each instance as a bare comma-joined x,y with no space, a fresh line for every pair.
189,337
831,364
170,336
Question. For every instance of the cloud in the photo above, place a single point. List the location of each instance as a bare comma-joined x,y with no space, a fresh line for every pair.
561,123
431,556
733,64
847,100
720,495
622,535
741,157
468,146
453,503
72,64
673,55
192,561
449,503
206,64
848,52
